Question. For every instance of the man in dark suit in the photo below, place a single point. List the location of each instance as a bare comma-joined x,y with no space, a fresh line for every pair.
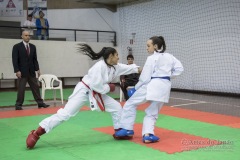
25,64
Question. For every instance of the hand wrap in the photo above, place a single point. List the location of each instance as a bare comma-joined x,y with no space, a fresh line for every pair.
112,87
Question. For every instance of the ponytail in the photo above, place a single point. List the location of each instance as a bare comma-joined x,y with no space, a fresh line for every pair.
160,42
87,50
163,44
105,52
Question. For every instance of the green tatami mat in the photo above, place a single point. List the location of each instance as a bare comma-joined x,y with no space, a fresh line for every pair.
8,98
76,139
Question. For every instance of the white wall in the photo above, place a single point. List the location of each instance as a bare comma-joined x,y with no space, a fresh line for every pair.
55,57
90,19
86,19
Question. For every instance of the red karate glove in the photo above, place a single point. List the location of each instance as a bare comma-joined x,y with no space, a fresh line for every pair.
112,87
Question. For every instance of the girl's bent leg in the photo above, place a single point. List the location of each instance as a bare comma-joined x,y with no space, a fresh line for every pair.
75,102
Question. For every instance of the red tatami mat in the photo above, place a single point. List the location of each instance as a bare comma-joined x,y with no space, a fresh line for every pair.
223,120
32,112
170,141
213,118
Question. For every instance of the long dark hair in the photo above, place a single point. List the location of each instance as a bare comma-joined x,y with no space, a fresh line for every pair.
160,42
105,52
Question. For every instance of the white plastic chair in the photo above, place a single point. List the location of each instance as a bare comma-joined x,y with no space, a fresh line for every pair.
121,93
47,81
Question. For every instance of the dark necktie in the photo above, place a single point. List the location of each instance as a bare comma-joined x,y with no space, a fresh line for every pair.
28,51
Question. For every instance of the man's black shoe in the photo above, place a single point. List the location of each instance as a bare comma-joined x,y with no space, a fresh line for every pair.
43,105
18,108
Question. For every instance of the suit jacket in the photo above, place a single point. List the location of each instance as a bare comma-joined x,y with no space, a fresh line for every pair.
27,65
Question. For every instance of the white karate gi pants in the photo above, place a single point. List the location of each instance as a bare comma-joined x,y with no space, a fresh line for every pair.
78,98
129,112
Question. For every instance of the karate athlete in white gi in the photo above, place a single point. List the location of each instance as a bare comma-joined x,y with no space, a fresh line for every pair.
154,86
93,88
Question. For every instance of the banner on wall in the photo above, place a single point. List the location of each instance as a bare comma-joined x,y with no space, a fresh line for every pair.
34,6
11,8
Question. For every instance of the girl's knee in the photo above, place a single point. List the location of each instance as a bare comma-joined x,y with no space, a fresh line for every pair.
63,114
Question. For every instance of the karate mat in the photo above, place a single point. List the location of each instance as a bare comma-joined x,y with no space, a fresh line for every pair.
87,136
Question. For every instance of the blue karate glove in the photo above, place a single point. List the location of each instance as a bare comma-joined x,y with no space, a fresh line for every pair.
131,91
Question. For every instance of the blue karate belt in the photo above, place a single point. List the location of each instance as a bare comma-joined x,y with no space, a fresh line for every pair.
167,78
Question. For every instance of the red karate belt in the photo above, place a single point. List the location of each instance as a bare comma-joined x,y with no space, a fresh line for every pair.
100,104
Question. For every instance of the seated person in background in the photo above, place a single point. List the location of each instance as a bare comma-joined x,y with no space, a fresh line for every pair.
42,27
29,24
128,80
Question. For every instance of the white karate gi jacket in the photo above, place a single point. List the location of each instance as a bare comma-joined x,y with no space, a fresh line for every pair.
100,75
159,65
97,79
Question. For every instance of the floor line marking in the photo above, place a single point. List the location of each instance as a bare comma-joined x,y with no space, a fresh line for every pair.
225,104
187,99
187,104
207,102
